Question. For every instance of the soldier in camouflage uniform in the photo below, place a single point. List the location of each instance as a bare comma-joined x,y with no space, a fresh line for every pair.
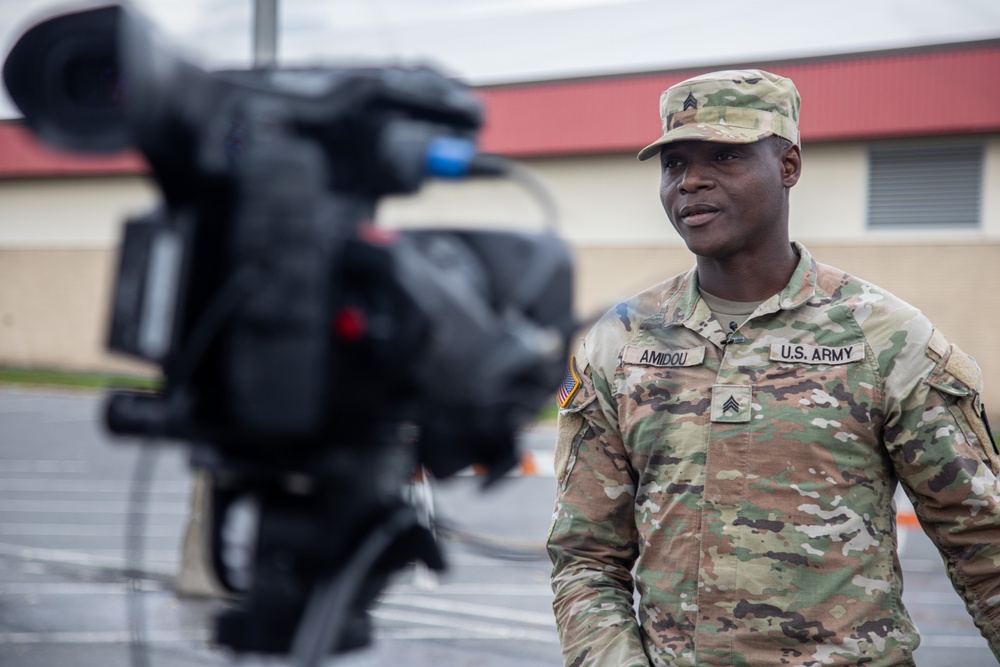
740,477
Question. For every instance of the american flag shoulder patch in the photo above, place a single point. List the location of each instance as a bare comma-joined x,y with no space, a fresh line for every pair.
570,384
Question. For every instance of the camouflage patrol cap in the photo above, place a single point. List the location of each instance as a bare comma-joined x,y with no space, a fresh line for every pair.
732,106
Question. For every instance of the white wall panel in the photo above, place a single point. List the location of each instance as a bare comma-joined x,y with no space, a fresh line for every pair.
610,199
69,212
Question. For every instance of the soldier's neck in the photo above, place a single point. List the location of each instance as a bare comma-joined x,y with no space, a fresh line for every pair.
747,277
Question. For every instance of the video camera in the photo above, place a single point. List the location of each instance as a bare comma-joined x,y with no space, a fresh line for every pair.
312,360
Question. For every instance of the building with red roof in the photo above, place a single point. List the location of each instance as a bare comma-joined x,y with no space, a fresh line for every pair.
901,186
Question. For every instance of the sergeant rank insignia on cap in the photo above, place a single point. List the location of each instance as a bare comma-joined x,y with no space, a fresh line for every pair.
570,384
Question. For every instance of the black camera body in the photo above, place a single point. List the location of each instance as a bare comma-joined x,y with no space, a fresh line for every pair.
311,359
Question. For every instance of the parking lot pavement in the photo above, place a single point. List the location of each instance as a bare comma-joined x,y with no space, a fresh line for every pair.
64,601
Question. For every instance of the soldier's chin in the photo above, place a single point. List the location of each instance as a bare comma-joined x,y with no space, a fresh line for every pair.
707,249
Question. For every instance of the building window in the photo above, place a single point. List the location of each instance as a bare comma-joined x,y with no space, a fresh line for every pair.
925,184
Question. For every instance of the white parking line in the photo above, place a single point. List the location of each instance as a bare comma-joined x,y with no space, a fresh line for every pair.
160,562
480,590
42,466
916,565
86,506
445,633
62,486
70,589
936,599
466,629
79,530
109,637
471,609
953,641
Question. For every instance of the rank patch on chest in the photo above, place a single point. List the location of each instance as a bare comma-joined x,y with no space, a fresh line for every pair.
645,356
731,403
796,353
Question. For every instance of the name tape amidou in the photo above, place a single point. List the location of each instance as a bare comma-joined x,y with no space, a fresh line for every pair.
645,356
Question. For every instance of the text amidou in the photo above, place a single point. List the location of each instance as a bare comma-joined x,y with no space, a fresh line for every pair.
655,358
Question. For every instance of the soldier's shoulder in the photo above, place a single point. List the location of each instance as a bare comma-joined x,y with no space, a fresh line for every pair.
626,317
892,326
871,303
622,322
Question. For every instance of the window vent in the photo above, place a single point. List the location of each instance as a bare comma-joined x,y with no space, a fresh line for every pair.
925,184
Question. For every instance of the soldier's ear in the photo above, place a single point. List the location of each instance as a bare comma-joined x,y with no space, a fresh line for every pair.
791,165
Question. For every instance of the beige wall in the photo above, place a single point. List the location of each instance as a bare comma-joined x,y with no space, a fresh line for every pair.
623,241
53,309
614,200
53,302
57,253
70,212
56,237
829,203
610,199
946,282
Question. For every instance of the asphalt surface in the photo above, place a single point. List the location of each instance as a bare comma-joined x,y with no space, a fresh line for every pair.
65,600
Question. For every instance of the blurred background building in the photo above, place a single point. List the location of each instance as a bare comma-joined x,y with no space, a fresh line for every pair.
901,186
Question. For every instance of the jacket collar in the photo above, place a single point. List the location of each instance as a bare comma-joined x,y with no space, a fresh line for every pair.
688,309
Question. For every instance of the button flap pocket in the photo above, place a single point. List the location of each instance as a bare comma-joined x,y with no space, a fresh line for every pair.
956,373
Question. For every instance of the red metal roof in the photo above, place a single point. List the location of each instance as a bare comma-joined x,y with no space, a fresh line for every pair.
946,90
23,156
938,91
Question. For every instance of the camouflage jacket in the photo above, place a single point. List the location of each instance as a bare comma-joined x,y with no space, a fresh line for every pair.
744,486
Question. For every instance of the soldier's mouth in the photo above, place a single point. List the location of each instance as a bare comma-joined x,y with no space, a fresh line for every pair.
694,215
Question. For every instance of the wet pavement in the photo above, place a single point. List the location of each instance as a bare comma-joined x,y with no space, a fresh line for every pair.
64,599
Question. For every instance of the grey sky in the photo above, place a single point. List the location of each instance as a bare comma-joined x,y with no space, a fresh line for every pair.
492,41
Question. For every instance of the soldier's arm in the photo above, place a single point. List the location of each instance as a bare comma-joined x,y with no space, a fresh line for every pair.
945,456
592,542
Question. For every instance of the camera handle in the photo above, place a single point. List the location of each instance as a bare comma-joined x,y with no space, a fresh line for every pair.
328,534
325,618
